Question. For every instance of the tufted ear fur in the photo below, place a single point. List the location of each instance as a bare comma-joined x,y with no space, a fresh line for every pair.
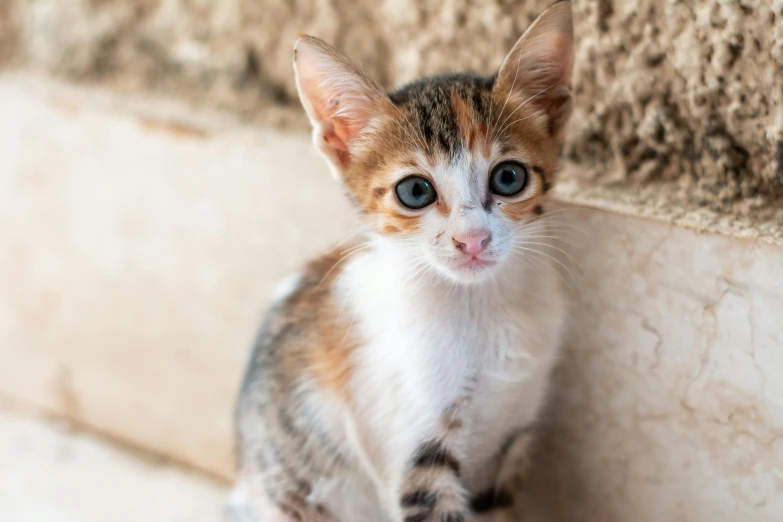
339,99
539,66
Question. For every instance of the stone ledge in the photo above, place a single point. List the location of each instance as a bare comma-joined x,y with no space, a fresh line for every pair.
662,202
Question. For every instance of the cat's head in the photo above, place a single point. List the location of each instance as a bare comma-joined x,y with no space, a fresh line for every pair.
450,169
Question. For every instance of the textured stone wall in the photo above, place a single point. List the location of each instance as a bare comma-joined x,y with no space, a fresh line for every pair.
687,92
9,27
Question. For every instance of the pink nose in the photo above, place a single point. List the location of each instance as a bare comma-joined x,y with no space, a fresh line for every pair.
472,243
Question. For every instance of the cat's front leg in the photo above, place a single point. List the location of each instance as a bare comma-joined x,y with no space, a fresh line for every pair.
502,501
432,490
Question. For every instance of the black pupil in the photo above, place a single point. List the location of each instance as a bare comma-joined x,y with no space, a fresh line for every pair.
418,190
508,176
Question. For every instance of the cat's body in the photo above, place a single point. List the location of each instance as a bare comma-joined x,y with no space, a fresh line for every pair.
400,379
479,357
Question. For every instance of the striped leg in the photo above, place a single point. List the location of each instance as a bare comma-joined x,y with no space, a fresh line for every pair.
278,501
432,490
501,502
494,505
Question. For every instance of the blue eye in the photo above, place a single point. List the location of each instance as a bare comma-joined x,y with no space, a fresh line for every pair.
508,179
415,192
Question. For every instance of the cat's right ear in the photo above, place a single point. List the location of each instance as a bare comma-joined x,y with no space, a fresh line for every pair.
540,65
338,98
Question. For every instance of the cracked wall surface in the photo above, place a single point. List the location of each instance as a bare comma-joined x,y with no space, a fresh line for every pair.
687,95
669,402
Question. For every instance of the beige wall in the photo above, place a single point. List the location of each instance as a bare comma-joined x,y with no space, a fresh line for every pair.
137,259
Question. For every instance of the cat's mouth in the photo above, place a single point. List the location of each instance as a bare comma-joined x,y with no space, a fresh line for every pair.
467,269
473,269
475,264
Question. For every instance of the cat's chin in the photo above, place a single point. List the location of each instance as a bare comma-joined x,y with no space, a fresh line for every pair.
469,272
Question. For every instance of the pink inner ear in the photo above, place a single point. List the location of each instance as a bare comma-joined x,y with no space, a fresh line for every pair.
559,57
339,146
338,99
539,67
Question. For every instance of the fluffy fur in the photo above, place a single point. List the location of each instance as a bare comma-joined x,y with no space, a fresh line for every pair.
399,379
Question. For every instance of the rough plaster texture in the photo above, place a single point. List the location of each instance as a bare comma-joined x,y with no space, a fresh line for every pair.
9,32
689,93
140,252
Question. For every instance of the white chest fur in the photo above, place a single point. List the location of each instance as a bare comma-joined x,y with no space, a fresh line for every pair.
429,345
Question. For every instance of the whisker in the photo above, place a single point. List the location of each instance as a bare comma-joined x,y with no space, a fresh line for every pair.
349,236
539,93
518,255
341,260
421,276
570,209
565,228
356,247
513,122
519,248
513,84
422,142
348,293
529,263
418,268
549,228
350,325
566,254
549,223
557,238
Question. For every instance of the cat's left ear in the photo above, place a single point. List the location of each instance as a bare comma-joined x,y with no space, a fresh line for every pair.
339,99
540,64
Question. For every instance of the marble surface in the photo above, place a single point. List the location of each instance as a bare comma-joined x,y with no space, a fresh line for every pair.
669,402
139,251
50,473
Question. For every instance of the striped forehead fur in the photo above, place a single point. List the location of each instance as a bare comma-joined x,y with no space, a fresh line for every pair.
429,103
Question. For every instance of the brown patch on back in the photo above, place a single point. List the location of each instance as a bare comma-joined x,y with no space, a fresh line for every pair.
316,337
330,362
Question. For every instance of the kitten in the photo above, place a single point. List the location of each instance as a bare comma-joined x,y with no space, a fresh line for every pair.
399,380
